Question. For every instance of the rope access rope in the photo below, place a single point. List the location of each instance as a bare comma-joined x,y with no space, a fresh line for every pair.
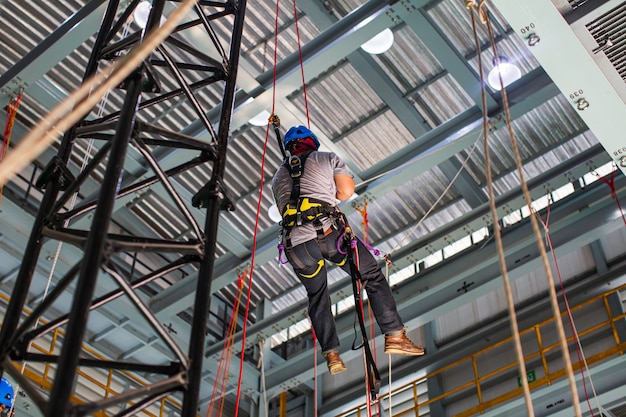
260,200
536,231
365,222
306,101
261,364
582,360
538,238
496,229
314,337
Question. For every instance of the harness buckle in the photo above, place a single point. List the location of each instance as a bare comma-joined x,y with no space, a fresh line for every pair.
295,166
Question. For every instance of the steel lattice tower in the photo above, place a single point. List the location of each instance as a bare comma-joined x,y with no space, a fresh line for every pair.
175,72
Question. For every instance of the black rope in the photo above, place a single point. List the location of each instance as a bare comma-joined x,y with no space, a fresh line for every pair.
371,371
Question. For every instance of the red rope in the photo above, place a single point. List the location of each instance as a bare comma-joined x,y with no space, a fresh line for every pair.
569,312
365,223
314,336
360,306
275,59
8,128
611,183
221,377
254,240
306,101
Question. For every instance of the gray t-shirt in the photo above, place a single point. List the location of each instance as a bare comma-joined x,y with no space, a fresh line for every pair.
317,181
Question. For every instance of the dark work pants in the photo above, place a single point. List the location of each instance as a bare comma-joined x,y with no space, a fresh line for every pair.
307,260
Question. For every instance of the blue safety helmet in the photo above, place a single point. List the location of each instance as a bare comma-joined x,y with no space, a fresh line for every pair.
300,132
6,393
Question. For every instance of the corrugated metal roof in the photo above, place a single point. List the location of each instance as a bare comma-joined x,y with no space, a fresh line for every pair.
349,110
343,105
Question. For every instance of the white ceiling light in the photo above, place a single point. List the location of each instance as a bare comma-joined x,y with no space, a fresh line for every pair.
379,43
274,214
260,119
509,73
142,12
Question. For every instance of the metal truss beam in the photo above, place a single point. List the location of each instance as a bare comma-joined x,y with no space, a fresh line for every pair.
96,239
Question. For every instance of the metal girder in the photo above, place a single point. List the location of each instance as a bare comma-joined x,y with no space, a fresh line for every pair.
65,39
596,94
29,72
318,55
464,183
130,316
467,126
446,54
372,74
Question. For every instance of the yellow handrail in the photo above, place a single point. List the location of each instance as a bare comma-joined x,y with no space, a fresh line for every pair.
547,379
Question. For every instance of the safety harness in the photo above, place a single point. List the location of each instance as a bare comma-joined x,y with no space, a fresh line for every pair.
300,211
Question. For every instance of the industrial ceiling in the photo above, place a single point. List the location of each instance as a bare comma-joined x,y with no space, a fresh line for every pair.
409,124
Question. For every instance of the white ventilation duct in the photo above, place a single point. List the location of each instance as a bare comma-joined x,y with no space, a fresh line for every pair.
580,45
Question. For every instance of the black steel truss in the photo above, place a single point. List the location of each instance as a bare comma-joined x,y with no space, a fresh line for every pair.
187,71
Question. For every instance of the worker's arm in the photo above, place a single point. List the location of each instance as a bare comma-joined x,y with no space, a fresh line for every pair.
345,186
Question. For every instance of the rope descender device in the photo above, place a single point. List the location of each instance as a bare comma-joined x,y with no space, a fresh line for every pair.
275,121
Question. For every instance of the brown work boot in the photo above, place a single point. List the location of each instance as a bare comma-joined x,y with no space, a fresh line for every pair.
398,343
334,362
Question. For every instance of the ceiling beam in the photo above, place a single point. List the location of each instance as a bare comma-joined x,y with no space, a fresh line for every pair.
449,58
372,73
62,42
464,183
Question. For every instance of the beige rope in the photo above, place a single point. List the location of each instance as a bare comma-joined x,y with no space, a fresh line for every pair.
67,113
542,249
497,233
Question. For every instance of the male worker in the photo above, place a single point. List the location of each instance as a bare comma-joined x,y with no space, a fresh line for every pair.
307,189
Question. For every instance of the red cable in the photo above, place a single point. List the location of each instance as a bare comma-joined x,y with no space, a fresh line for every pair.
221,374
256,223
8,127
6,139
314,368
569,312
611,184
365,223
275,58
306,101
360,306
254,242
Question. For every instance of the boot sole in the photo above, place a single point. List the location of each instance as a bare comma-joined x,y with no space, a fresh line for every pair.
337,370
392,351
